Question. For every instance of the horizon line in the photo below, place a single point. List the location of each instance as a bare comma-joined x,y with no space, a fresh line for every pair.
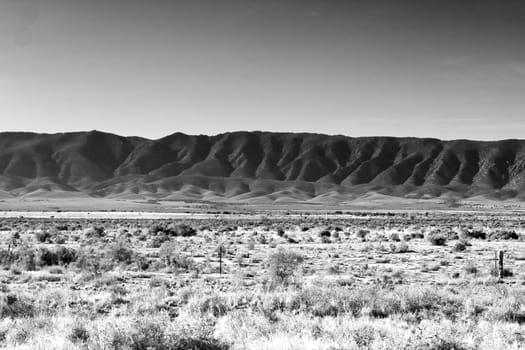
253,132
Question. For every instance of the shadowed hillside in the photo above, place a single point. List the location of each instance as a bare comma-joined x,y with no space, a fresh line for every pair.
261,166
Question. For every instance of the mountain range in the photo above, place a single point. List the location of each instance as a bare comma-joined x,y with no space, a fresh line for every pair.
256,166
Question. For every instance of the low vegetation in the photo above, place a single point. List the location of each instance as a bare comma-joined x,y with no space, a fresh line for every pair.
357,281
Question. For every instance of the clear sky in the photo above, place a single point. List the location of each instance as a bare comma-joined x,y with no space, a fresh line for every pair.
439,68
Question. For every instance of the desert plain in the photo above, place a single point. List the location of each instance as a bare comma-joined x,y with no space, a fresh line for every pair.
261,277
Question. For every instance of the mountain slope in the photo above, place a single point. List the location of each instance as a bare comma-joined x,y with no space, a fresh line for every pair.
257,166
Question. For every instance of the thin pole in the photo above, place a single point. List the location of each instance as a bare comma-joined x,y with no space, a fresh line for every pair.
501,269
220,260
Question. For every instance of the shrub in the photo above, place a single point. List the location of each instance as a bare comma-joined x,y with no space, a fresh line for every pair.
46,257
460,246
177,230
78,334
121,253
437,238
334,269
475,234
179,261
66,255
6,257
148,335
283,266
46,278
292,240
452,235
362,233
417,235
56,270
15,236
15,270
181,230
92,261
156,333
142,262
106,280
155,229
471,268
197,343
505,273
58,239
395,237
503,235
216,305
156,282
95,232
50,257
157,241
509,310
43,236
26,258
14,305
364,336
402,247
168,253
324,233
262,239
325,240
167,249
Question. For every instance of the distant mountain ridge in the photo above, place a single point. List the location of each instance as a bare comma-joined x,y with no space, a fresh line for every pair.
267,166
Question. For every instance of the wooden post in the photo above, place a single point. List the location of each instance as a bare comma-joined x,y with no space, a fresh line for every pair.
220,259
9,258
501,269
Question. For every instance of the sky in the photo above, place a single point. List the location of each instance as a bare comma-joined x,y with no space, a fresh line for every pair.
426,68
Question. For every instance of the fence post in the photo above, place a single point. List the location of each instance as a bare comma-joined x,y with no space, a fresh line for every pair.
220,259
501,269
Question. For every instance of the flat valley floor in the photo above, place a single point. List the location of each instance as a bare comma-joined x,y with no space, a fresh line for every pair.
200,276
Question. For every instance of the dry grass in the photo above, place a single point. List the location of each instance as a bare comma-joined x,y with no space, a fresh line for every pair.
369,281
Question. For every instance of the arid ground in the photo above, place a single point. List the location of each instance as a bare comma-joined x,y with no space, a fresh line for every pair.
231,278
